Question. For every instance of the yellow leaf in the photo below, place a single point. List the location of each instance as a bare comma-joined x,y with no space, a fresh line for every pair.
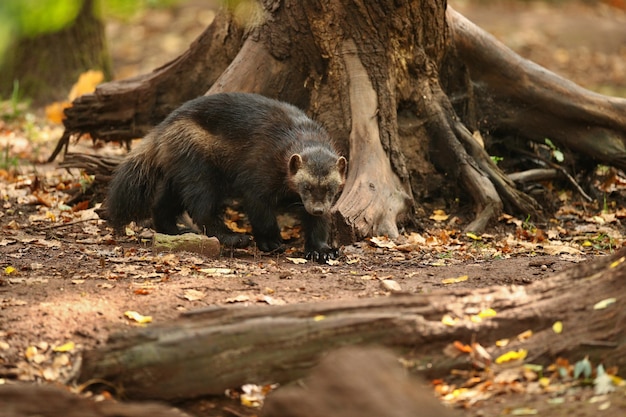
544,381
30,352
54,111
557,327
601,305
512,356
618,262
448,320
9,270
319,317
439,216
488,312
66,347
454,280
87,82
133,315
587,244
475,318
473,236
617,381
502,342
525,335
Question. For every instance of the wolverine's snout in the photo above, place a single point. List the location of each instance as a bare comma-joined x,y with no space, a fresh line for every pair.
316,209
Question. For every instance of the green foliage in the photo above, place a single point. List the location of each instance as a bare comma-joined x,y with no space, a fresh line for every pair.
8,162
30,18
125,9
556,153
496,159
15,107
35,17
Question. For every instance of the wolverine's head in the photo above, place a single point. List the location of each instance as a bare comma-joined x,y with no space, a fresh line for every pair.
317,175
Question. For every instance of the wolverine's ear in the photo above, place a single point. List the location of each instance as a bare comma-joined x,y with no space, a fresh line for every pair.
295,162
342,165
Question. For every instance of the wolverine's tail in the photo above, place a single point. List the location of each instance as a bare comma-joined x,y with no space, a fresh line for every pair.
132,188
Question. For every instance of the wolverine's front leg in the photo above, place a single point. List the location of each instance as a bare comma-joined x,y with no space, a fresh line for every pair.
316,231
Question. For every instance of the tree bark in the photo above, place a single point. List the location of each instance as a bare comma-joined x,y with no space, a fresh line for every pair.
46,66
206,352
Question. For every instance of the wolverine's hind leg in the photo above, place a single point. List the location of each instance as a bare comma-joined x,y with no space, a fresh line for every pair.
264,225
206,211
167,207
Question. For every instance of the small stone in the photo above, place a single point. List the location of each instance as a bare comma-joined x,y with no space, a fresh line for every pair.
188,242
390,285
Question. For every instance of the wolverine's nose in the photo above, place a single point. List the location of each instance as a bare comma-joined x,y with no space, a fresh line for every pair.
316,209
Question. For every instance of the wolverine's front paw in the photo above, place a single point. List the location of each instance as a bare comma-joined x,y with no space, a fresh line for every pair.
321,255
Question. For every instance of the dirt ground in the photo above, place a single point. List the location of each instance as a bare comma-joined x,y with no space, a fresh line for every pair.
66,279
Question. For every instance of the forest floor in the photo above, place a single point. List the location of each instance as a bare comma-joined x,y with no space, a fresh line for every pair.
67,283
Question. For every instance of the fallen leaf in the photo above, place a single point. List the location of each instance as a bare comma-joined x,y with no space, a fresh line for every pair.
297,261
241,298
455,280
557,327
449,320
87,82
616,263
582,368
512,355
133,315
193,295
216,271
66,347
601,305
439,216
462,347
486,313
382,242
524,411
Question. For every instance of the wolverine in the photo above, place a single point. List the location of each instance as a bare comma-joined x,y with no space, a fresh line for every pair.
266,154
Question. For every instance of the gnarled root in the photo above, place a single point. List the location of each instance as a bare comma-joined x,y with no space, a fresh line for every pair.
374,197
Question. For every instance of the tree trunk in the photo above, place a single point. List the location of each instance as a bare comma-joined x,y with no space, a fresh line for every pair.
46,66
379,75
209,351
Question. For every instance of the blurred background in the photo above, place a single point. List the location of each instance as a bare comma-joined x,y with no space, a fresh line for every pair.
47,44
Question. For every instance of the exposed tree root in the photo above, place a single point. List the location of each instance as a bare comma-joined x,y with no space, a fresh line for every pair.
374,196
520,96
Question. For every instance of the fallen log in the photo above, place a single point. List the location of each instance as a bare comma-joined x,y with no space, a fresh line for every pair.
208,351
357,382
26,400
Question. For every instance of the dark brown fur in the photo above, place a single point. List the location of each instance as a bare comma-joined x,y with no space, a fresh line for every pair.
265,153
